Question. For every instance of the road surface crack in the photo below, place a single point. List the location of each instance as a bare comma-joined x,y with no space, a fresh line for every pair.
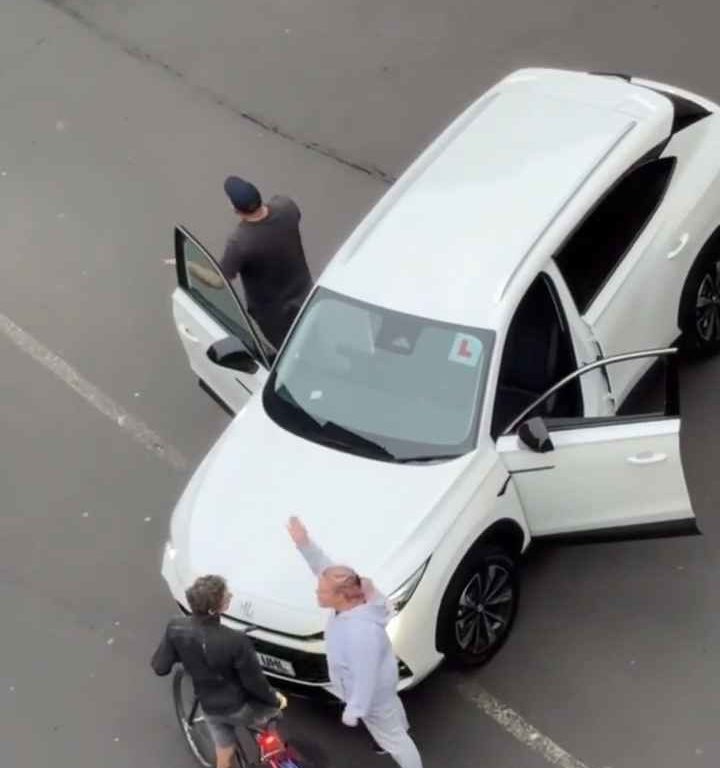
141,54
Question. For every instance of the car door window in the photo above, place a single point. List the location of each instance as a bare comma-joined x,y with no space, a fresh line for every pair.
655,396
591,254
538,352
200,276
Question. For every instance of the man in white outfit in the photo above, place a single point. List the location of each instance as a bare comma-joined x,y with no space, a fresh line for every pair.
362,665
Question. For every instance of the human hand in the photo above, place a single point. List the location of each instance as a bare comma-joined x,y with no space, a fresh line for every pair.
350,720
282,700
298,532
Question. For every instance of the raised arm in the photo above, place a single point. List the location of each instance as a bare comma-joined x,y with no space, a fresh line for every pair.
314,556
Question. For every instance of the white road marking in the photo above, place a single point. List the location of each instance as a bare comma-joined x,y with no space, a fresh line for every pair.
136,428
518,727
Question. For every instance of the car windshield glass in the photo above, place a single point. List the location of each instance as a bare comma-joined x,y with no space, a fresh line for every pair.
379,383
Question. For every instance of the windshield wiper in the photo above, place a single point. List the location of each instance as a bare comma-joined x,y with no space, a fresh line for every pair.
427,459
331,434
283,394
341,437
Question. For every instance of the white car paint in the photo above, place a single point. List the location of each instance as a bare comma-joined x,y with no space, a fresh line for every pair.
610,460
221,529
459,239
198,331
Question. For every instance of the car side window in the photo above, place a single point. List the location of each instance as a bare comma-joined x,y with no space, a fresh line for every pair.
654,396
538,352
591,254
200,277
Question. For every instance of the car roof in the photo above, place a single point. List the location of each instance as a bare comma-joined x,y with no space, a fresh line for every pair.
465,219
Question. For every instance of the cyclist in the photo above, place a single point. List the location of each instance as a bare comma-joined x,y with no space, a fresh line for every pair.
222,663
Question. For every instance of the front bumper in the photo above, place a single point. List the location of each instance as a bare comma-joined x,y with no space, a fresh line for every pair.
307,654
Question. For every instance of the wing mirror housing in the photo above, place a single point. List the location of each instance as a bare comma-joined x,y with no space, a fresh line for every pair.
232,353
534,434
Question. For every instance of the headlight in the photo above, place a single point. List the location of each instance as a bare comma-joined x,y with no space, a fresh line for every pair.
400,597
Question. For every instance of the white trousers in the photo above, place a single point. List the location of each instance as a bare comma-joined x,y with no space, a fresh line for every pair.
388,725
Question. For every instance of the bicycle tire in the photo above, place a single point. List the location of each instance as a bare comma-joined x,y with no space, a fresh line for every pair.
196,733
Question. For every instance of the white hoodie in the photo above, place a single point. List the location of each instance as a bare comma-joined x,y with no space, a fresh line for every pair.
362,666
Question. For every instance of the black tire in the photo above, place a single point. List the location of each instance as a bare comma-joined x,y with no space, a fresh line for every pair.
699,316
479,607
196,733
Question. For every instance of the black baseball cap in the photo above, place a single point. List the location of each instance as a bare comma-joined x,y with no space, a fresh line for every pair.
243,195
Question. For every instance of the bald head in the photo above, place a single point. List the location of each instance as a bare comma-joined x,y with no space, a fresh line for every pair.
344,581
339,587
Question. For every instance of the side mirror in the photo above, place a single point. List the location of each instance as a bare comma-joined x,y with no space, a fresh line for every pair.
534,434
232,353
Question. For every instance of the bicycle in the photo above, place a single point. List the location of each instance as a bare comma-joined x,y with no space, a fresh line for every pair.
270,748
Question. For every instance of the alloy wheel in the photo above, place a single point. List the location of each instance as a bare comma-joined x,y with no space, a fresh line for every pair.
707,305
485,609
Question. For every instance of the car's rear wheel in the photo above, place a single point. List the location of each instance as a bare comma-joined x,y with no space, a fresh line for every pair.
700,306
479,607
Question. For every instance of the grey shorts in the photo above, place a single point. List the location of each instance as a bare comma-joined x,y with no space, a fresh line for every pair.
227,729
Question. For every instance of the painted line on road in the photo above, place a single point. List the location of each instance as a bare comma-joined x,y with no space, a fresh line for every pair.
518,727
137,429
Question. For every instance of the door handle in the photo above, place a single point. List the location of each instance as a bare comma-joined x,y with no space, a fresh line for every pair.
681,244
188,334
648,457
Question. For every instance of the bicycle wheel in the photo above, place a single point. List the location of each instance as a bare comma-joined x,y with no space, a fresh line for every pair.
193,726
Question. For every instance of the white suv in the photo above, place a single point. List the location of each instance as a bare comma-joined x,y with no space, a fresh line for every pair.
465,375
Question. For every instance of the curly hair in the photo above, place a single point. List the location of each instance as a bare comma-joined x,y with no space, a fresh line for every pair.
206,595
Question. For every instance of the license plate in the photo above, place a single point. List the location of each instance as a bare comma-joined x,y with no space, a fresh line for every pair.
273,664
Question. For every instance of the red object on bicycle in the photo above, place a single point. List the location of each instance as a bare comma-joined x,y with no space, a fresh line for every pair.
270,745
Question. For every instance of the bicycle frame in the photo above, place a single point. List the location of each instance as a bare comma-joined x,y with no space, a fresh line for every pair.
272,749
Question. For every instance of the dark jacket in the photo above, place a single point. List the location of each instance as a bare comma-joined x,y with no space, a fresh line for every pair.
269,257
221,662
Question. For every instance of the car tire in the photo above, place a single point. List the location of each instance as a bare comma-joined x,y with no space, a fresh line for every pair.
479,606
700,306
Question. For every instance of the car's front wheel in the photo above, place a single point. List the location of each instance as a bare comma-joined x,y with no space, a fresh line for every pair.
479,607
700,306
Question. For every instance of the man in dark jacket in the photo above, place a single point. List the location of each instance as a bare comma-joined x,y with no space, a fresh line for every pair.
266,252
222,663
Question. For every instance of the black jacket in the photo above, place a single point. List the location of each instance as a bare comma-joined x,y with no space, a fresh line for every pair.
221,662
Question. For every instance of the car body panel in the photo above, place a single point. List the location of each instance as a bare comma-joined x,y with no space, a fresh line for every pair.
484,229
600,478
198,331
663,254
232,517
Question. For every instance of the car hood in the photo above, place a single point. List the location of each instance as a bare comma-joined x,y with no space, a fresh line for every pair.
384,519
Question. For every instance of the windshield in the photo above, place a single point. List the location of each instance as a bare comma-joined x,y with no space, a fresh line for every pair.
379,383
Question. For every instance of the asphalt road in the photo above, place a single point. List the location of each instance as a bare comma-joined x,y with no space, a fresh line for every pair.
120,118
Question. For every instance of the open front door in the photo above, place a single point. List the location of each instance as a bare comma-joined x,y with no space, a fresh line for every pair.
224,349
602,478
